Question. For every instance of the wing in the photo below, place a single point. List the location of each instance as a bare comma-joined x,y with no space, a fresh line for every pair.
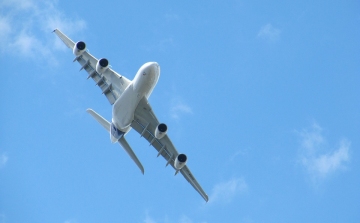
145,123
111,83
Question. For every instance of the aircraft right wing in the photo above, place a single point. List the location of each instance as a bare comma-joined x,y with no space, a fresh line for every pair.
111,83
145,123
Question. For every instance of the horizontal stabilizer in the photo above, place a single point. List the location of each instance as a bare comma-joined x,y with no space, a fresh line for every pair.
122,140
131,153
99,119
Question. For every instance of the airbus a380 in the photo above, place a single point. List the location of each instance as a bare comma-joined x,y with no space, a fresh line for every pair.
130,108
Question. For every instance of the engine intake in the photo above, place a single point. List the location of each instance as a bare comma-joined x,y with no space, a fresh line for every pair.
160,131
102,65
180,161
79,48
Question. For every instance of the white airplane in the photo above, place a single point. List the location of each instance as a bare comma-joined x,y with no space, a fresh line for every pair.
130,108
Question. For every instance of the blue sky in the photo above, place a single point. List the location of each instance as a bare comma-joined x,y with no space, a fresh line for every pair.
262,96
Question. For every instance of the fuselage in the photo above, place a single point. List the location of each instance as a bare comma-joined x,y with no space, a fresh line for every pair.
142,85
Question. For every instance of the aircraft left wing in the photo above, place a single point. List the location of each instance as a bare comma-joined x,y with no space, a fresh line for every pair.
111,83
145,123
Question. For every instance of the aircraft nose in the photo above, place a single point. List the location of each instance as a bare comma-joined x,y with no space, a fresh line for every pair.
153,66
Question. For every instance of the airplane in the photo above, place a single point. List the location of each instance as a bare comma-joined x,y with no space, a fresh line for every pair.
131,108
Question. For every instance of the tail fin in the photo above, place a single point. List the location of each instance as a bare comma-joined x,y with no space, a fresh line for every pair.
122,140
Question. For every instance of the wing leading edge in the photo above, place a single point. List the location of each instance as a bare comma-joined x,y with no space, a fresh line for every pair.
111,83
145,123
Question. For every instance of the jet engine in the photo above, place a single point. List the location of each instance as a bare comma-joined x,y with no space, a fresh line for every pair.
160,131
102,65
180,161
79,48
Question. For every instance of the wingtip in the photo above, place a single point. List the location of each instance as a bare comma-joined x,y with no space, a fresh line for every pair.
206,197
140,167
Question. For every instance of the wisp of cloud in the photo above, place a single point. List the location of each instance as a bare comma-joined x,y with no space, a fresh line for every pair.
319,161
3,160
269,32
224,192
25,28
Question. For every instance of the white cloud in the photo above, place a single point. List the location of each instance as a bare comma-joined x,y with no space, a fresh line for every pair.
27,45
241,152
3,160
312,139
269,32
5,28
330,162
179,108
320,161
224,192
26,25
149,219
18,4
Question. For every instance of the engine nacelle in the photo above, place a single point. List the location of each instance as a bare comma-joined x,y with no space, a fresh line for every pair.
180,161
160,131
102,65
79,48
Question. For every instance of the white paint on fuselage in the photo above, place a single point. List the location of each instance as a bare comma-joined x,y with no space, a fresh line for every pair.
142,86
